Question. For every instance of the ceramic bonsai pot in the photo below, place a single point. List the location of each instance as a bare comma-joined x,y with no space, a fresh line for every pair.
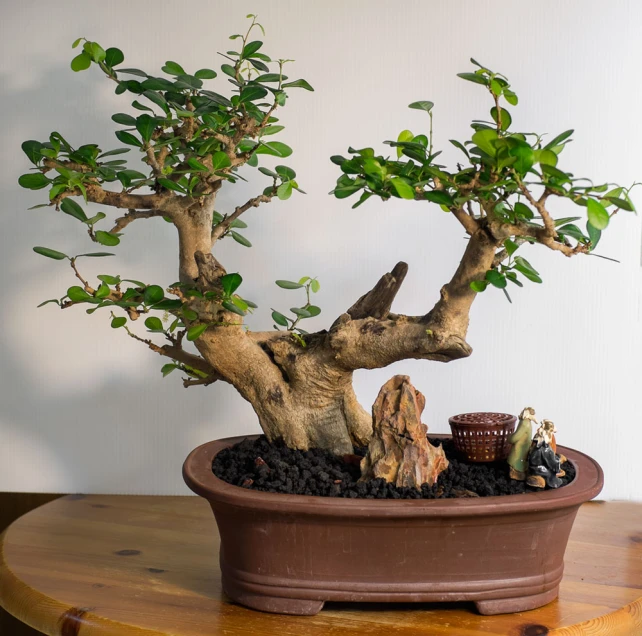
291,553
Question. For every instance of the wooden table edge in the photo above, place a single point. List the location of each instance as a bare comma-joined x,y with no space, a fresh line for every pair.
54,618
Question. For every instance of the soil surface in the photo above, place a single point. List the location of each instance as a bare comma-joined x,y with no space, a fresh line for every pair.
259,465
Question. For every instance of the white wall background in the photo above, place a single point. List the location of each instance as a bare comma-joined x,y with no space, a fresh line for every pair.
83,409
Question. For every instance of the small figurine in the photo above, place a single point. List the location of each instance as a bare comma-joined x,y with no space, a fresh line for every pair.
544,467
521,441
549,427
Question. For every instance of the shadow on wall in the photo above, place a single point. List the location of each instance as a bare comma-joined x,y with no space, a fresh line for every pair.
66,383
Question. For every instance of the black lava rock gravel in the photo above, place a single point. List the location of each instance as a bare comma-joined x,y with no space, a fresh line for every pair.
260,465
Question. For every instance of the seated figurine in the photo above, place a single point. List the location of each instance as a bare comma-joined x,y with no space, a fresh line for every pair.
521,443
544,467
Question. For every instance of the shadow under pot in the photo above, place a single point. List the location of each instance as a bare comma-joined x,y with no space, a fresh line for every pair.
482,437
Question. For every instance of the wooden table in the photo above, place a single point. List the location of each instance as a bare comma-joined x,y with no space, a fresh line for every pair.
143,566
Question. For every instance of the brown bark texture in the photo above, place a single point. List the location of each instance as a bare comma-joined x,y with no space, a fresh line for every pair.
399,450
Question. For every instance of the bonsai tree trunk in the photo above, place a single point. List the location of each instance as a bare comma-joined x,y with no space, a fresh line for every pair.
304,394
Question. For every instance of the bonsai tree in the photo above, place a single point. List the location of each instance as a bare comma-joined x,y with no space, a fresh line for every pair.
193,142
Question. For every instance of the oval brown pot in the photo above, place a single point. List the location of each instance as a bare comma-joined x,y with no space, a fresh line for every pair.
291,553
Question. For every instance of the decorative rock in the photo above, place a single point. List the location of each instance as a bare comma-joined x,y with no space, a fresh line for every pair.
399,450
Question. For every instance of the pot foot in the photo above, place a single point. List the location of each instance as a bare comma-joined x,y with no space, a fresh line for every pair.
517,604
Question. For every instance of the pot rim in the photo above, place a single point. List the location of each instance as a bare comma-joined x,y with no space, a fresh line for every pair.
198,475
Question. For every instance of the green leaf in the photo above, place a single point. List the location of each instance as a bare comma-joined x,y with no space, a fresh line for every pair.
117,151
34,181
32,149
598,215
228,69
457,144
279,319
166,369
422,105
81,62
96,254
103,291
285,172
484,139
230,283
96,51
156,98
284,191
113,57
300,83
288,284
120,321
479,285
547,157
239,238
195,332
170,185
69,206
315,285
552,171
252,93
525,158
49,253
173,68
438,196
523,211
154,324
496,279
274,148
107,238
301,312
128,138
124,120
507,120
473,77
404,136
573,231
250,48
235,309
510,97
495,87
153,294
77,41
594,235
403,189
623,204
559,139
272,130
145,124
77,294
313,310
197,165
220,160
110,280
169,304
510,247
523,266
205,74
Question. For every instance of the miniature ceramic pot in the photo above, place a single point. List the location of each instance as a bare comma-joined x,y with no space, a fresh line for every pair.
290,553
482,437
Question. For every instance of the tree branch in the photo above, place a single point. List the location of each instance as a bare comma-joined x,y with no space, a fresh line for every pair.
468,222
377,302
177,353
133,215
225,224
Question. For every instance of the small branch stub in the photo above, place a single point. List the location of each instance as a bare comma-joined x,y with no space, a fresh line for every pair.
399,450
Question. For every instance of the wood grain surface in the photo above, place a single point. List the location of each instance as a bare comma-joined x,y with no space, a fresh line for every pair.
148,566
